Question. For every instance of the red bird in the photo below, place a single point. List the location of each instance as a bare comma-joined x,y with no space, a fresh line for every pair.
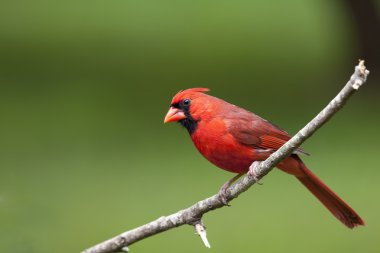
233,138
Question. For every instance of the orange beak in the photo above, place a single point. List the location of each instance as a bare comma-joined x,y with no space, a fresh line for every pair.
174,114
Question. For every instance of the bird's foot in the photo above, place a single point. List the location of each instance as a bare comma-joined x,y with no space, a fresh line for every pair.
252,172
222,194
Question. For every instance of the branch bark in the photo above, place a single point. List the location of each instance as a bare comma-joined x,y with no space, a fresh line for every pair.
193,214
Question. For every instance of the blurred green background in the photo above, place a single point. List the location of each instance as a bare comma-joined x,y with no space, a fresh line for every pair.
84,153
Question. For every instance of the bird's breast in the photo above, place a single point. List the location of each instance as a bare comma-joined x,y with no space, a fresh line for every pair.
218,146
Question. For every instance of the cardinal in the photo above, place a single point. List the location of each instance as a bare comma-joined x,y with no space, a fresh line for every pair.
232,138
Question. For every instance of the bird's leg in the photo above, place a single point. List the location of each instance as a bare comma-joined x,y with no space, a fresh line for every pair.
222,194
252,172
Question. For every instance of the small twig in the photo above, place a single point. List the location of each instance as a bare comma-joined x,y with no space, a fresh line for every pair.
201,231
193,214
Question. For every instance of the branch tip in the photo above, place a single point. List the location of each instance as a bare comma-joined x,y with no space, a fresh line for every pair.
360,75
201,231
125,249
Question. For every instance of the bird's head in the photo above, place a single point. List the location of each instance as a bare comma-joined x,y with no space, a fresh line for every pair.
187,107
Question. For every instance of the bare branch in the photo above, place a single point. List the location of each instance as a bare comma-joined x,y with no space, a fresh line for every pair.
193,214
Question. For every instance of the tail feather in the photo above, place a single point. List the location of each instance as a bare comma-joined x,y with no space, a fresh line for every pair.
340,209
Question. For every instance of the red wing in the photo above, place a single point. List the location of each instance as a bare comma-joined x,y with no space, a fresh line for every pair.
275,143
272,142
249,129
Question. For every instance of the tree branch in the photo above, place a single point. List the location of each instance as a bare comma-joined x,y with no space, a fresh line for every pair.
193,214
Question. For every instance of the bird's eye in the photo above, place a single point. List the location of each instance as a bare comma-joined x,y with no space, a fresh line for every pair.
186,102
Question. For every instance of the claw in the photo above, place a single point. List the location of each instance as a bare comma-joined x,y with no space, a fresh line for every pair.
252,172
222,194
